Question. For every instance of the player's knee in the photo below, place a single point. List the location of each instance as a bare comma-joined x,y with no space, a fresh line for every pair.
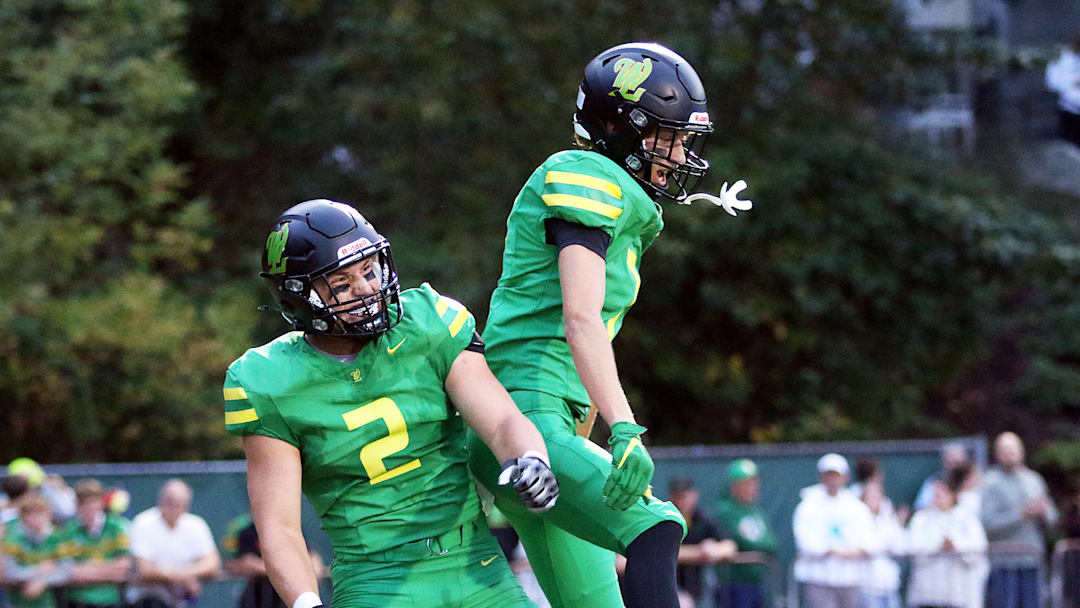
664,537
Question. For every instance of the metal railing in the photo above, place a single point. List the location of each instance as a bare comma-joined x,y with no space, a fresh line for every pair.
1065,574
1065,571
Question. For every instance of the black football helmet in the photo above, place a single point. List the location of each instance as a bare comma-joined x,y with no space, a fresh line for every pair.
309,242
630,92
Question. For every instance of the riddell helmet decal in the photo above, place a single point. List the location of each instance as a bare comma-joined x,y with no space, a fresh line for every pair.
699,118
629,75
275,246
353,247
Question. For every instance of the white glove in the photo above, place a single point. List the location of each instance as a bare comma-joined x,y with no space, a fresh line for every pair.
532,480
728,199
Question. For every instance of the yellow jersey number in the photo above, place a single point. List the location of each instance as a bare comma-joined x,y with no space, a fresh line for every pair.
372,454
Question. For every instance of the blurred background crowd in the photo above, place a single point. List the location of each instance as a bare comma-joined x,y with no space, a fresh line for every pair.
909,269
972,537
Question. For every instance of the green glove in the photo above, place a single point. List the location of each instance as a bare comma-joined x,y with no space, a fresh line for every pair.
631,467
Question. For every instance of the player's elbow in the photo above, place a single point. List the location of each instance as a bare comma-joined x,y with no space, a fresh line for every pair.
580,324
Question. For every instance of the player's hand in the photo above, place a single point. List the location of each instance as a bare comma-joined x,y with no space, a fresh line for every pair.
533,481
631,466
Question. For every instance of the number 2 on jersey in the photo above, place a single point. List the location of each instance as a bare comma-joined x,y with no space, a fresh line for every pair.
372,454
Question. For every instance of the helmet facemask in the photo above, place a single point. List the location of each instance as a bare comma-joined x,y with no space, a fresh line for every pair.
337,307
671,155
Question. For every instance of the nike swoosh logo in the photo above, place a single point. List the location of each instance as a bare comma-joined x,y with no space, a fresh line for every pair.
487,561
391,351
634,443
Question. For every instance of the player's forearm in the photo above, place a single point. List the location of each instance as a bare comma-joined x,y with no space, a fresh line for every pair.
287,563
595,363
514,436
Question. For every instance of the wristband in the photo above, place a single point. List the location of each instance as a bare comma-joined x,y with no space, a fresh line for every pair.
307,599
536,455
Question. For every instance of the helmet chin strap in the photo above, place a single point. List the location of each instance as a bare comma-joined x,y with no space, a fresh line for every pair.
728,199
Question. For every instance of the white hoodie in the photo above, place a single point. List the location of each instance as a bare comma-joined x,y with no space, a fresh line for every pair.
953,578
824,523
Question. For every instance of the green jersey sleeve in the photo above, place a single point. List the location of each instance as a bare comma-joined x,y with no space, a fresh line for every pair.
581,190
248,412
451,327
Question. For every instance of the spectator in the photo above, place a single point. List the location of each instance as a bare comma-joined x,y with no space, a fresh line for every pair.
1063,78
882,588
98,544
702,545
740,518
1071,521
13,487
948,547
952,456
243,558
968,496
173,551
1016,512
32,556
867,470
834,535
60,496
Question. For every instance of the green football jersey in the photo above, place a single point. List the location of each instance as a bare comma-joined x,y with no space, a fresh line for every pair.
525,336
80,545
27,550
382,448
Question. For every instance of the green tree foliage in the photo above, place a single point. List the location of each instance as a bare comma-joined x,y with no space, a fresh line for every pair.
872,292
102,353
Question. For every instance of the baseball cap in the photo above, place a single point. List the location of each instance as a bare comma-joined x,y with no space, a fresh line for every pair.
29,469
832,462
741,469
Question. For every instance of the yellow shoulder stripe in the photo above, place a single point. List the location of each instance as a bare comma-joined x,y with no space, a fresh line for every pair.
441,306
241,416
234,393
458,322
580,202
588,181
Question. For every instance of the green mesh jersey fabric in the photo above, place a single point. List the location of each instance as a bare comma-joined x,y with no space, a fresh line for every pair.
525,336
382,449
110,543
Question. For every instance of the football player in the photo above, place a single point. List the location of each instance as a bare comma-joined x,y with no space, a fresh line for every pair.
575,237
363,409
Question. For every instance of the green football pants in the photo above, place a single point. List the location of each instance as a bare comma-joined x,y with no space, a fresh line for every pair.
463,568
571,547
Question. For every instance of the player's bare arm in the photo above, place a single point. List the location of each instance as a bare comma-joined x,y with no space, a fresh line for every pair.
581,275
488,409
274,475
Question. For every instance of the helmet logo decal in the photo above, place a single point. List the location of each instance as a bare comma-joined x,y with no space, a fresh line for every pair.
353,247
629,75
699,118
275,246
